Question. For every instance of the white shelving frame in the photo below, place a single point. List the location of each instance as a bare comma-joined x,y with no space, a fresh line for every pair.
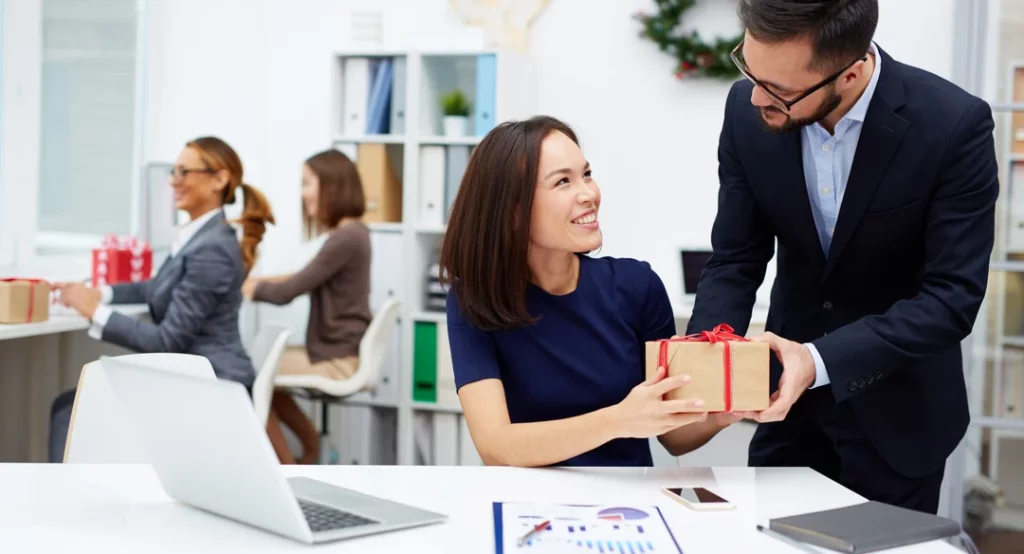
515,98
981,353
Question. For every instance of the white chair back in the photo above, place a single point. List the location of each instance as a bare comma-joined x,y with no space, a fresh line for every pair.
265,352
98,432
373,348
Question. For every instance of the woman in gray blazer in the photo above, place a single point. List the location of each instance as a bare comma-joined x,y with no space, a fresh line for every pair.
195,296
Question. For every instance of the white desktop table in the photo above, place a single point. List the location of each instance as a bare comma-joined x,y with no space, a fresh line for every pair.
114,509
61,320
38,361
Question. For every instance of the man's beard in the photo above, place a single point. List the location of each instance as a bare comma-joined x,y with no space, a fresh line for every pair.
827,106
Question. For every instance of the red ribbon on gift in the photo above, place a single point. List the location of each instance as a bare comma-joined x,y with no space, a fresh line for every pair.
721,333
31,291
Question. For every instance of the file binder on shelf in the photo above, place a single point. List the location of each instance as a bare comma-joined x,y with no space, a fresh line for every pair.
483,112
356,81
398,96
382,186
378,118
424,369
432,206
456,160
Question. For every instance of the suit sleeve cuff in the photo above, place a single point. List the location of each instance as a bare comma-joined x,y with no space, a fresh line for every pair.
106,294
821,376
99,321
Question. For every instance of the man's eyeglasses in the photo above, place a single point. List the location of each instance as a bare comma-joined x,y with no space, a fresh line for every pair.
178,172
782,102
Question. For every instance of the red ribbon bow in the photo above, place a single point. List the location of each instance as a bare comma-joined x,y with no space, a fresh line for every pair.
31,291
721,333
124,242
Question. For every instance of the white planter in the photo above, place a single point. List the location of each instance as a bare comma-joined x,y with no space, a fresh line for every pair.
455,125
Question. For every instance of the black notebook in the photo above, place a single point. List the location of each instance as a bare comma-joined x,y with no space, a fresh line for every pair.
865,527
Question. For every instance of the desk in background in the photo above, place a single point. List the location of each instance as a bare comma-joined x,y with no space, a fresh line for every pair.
115,509
38,361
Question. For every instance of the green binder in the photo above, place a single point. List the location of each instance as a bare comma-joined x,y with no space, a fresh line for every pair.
424,365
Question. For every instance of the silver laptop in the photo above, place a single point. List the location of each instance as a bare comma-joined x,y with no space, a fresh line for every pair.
213,454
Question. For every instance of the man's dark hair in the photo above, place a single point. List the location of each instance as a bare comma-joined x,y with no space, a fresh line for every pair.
840,30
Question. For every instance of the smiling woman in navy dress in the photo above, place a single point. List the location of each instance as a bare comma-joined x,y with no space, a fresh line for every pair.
547,343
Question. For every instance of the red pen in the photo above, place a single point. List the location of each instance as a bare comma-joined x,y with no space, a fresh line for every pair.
534,531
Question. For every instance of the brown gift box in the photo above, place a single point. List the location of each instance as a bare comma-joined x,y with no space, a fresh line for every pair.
24,300
702,357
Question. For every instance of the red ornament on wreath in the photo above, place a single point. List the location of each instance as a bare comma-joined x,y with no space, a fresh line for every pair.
685,69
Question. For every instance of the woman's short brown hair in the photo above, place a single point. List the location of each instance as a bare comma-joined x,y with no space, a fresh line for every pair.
340,194
484,252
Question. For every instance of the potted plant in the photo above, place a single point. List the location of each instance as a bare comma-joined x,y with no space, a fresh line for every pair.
456,113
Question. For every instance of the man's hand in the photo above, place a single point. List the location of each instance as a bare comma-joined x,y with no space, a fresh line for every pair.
798,375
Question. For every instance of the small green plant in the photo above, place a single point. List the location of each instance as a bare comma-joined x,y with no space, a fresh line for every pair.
455,103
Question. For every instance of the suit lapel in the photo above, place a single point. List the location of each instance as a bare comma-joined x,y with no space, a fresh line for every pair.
793,189
207,228
880,138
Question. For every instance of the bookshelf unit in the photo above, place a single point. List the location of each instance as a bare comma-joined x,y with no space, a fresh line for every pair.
997,380
387,117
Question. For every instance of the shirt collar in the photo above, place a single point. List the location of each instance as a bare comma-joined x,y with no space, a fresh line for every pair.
187,231
860,109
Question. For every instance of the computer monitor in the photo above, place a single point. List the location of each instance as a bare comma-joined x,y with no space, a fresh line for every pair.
158,217
693,262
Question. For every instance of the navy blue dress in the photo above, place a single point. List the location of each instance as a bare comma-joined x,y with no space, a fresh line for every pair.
586,351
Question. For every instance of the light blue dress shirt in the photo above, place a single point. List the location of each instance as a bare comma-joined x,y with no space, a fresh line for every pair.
827,159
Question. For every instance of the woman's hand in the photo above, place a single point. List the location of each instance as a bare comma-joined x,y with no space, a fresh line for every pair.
725,419
249,287
644,413
79,297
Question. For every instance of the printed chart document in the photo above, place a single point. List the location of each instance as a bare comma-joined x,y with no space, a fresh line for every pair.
599,529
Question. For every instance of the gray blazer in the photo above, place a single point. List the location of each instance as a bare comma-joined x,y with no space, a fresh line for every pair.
193,300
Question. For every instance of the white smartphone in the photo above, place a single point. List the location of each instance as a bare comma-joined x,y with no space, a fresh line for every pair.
698,498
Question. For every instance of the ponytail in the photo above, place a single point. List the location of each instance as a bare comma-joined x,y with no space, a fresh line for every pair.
256,213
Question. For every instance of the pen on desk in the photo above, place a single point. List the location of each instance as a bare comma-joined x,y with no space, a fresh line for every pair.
534,531
792,542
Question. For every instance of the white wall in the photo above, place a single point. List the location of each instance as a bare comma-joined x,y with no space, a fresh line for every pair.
256,72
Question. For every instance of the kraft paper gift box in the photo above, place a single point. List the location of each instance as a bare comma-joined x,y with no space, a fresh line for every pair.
729,373
24,300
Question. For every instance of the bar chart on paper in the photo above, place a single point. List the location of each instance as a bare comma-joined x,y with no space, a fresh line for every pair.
597,529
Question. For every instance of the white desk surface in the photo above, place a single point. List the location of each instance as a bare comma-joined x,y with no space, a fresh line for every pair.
110,509
61,320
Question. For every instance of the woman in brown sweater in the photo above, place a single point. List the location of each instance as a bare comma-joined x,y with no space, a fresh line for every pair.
338,283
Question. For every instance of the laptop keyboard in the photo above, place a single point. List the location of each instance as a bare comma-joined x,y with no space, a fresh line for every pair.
321,518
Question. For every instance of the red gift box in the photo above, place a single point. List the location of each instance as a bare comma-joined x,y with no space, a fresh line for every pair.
121,260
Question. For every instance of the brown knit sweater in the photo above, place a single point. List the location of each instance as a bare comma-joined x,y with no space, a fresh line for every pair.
338,283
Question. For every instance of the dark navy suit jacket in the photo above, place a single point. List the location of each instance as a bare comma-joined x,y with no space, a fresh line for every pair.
907,269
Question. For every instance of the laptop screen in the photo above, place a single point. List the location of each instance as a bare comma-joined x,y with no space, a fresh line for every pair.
693,265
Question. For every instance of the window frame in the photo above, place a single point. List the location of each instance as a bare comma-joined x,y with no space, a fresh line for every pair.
24,248
63,243
6,235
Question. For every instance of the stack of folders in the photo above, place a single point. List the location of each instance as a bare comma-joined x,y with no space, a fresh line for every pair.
435,295
865,527
441,171
374,93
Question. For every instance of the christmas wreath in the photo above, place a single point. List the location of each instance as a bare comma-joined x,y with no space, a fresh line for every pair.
696,56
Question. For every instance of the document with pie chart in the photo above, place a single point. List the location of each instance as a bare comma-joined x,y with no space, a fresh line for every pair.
592,529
